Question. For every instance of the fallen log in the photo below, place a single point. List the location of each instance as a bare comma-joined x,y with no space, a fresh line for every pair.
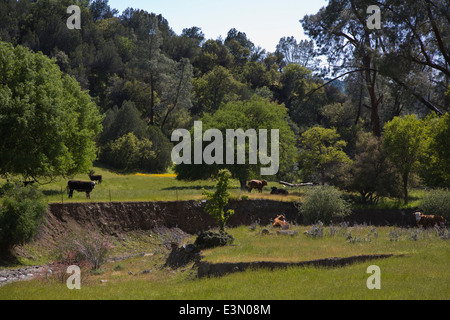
306,184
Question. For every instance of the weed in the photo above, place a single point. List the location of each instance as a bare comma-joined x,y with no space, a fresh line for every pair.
442,232
316,230
394,235
118,267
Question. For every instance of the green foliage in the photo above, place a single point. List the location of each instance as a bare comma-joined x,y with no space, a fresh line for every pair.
47,123
129,153
21,215
325,204
322,152
162,147
256,113
436,202
435,163
295,83
405,142
119,122
216,201
216,88
372,175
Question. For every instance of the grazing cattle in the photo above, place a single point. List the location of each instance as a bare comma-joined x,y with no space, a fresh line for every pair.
280,222
96,177
426,221
80,186
256,184
275,190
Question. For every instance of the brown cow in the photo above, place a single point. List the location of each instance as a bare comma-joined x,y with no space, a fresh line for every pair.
256,184
426,221
280,222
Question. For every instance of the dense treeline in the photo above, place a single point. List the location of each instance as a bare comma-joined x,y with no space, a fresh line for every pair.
148,81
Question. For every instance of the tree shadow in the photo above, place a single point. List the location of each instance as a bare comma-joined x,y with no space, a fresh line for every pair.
190,188
8,259
53,192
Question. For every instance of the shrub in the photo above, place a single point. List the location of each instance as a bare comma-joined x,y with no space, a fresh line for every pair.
87,249
211,239
324,204
21,216
128,153
436,202
216,201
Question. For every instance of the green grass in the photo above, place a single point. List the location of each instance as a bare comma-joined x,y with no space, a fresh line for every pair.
421,272
146,187
253,246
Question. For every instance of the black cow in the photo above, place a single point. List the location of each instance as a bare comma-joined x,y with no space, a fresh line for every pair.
80,186
275,190
96,177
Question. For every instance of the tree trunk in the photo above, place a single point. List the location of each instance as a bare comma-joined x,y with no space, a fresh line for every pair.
322,176
405,187
370,77
243,183
152,100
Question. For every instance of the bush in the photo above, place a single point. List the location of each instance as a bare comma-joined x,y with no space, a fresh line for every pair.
216,201
128,153
436,202
211,239
88,249
324,204
21,215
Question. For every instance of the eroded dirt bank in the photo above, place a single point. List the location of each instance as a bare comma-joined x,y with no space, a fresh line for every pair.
118,217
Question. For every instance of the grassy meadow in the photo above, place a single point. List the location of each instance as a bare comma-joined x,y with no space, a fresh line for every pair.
419,269
149,187
119,187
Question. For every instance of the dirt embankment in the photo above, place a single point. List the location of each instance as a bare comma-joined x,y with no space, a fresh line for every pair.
116,218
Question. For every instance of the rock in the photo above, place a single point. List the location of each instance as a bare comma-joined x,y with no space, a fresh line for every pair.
190,248
265,232
287,232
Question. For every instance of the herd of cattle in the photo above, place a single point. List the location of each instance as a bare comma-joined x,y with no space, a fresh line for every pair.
259,185
83,186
